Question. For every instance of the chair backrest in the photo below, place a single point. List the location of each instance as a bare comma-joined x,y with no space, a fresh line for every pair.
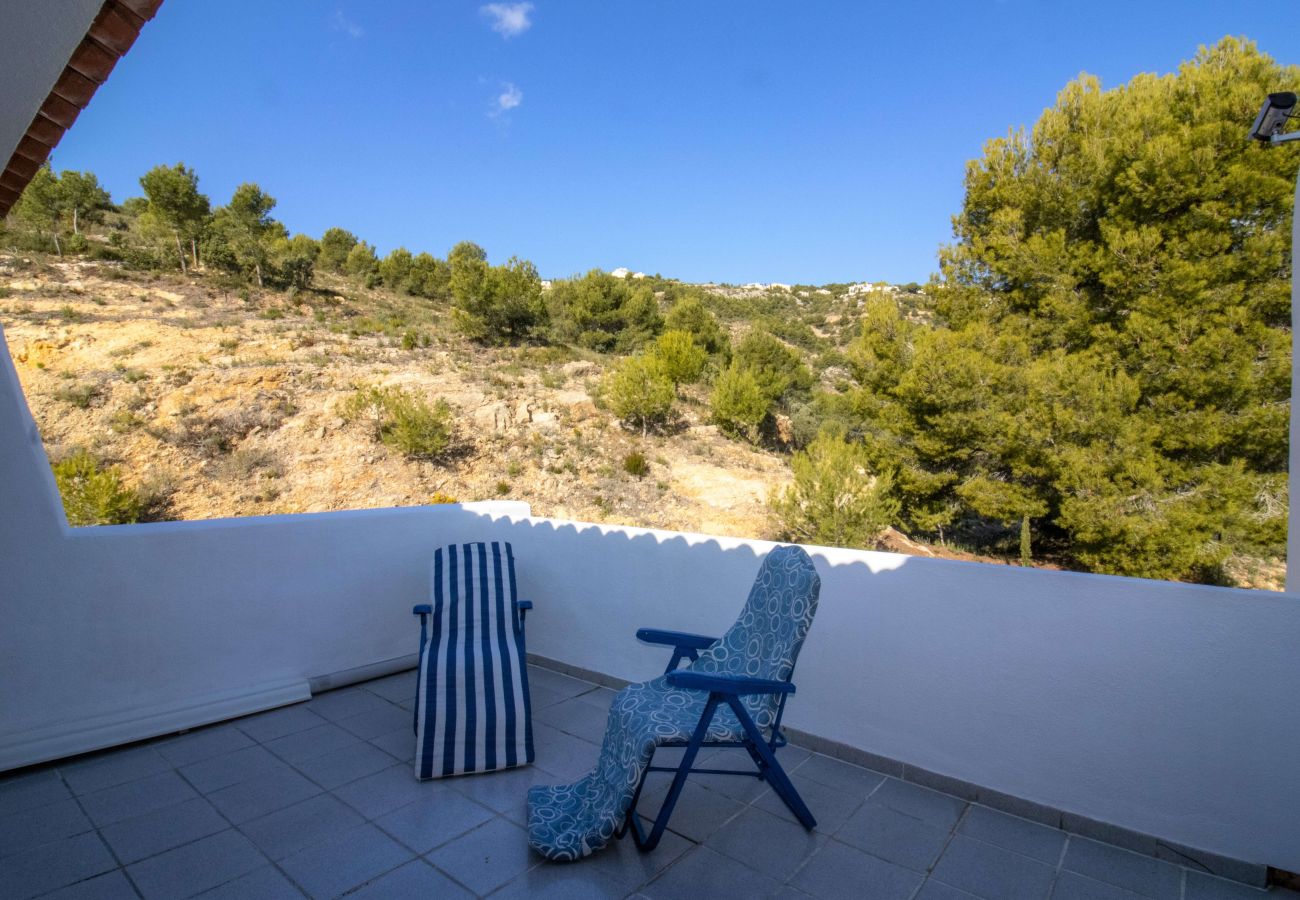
473,711
765,641
479,575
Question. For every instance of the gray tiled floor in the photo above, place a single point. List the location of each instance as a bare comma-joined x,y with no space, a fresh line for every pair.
318,800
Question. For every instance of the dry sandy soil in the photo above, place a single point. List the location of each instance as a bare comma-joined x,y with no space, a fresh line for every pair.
140,369
144,370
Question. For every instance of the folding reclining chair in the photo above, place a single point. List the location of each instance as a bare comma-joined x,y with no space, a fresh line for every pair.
472,710
732,694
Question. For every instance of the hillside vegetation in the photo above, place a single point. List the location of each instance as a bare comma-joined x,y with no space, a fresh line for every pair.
1097,378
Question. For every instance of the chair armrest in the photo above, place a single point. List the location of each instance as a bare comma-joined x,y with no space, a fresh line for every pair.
674,639
525,604
424,609
727,684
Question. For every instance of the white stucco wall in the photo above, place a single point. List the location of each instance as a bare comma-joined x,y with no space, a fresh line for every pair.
1159,707
37,38
118,633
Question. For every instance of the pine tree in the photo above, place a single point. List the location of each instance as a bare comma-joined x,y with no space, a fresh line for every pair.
1111,355
176,206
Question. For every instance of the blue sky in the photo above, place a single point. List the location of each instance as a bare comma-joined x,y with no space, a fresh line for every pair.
706,140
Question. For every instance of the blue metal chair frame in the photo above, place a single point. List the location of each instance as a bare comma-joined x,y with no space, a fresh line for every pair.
722,689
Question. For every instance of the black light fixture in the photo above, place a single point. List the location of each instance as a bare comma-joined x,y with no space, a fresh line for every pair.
1278,108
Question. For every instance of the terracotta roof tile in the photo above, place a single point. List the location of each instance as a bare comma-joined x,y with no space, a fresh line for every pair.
145,9
10,181
93,60
45,130
74,87
23,167
59,111
111,34
29,148
114,28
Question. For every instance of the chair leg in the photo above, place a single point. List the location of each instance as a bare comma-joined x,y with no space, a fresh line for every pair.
629,818
644,842
773,773
758,762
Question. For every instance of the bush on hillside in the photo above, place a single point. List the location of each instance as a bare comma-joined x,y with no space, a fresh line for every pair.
603,312
680,358
402,420
738,403
95,495
639,392
835,499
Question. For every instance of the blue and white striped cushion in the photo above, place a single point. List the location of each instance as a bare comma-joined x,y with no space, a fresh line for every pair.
472,712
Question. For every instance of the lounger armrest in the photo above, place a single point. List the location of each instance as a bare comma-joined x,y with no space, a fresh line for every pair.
727,684
525,605
674,638
423,609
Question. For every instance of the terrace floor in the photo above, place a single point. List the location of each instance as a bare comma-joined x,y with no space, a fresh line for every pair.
318,799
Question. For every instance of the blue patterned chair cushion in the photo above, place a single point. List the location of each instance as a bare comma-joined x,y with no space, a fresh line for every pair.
570,821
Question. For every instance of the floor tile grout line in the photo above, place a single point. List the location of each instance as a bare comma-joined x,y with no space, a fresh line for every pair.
102,840
379,875
830,836
239,831
128,748
1060,865
952,833
155,745
457,881
668,868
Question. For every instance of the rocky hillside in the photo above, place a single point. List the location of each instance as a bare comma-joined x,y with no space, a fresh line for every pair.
228,403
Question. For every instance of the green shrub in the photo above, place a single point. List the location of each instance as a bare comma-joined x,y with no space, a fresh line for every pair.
95,495
777,369
395,269
636,465
401,420
638,392
123,421
81,395
681,359
603,312
791,330
247,462
413,339
129,375
738,403
220,434
361,261
689,314
835,500
496,304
